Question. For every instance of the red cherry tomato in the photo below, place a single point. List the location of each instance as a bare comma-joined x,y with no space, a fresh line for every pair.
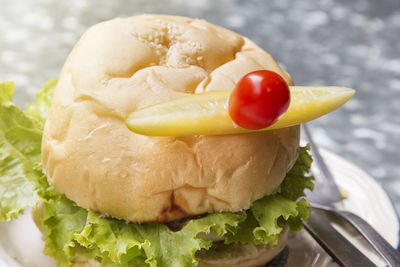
259,99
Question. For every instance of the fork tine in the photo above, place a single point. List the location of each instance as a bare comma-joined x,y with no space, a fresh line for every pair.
326,173
326,191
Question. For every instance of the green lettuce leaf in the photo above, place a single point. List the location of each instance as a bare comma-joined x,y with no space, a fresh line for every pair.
61,217
267,211
121,243
296,180
71,231
20,139
295,223
40,109
295,183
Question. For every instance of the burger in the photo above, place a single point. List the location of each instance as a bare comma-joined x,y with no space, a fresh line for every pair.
105,196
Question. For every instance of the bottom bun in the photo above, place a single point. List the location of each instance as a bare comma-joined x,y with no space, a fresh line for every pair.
239,255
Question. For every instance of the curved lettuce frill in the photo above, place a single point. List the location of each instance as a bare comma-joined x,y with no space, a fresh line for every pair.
70,230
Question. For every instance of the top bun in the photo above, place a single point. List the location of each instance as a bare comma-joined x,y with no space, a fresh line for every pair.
122,65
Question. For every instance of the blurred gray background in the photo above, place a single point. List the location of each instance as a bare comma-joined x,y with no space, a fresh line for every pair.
321,42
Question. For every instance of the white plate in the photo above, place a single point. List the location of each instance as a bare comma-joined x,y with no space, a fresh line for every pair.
21,243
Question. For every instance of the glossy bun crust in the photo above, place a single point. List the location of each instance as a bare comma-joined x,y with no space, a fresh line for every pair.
122,65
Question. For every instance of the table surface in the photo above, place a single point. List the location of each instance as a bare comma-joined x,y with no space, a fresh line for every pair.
320,42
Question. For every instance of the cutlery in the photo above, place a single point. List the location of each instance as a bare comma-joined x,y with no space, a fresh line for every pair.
337,246
326,193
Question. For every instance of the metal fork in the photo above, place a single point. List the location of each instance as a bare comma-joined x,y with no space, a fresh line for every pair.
326,193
